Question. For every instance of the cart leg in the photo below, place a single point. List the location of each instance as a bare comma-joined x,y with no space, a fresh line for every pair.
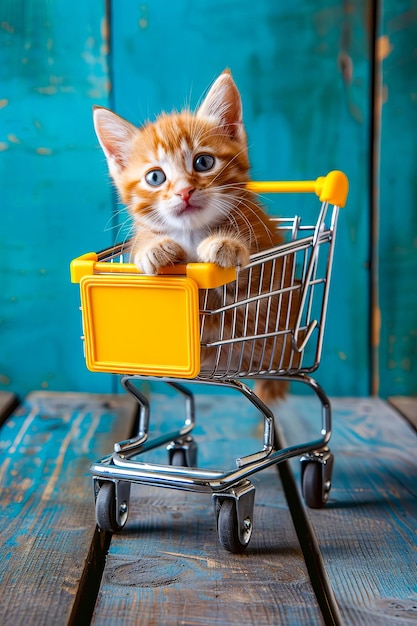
183,450
181,439
268,417
188,396
144,412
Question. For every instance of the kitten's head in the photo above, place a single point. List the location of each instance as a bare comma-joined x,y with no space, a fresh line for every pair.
182,171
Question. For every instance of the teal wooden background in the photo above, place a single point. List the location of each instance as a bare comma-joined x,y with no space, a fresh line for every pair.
305,71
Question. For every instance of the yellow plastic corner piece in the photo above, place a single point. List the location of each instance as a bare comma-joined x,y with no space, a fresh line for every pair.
335,187
209,275
82,266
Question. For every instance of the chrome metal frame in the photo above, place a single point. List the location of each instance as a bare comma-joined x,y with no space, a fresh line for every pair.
119,466
122,466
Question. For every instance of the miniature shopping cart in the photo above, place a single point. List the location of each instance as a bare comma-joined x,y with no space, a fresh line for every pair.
269,322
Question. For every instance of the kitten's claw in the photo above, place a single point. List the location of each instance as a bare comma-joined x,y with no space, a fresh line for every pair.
159,254
224,251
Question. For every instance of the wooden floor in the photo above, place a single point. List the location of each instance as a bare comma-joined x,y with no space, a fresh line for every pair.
354,562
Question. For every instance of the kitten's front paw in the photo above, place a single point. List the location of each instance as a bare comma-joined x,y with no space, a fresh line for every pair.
224,251
159,254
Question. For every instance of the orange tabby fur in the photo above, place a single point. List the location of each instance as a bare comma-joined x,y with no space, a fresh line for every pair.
183,179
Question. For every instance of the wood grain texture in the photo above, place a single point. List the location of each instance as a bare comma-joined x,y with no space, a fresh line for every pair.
167,566
303,72
47,518
55,203
398,199
367,531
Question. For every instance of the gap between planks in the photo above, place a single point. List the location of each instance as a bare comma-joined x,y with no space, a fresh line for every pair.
47,525
407,406
366,532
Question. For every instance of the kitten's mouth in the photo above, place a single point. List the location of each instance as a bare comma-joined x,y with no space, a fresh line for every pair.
187,209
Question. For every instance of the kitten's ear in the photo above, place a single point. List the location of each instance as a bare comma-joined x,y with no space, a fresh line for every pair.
114,134
224,103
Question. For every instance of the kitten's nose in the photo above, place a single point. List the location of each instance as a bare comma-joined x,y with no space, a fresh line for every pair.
185,193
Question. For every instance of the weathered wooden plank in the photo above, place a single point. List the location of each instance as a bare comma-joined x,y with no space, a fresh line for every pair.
407,406
367,531
303,71
47,521
7,403
167,566
397,102
50,76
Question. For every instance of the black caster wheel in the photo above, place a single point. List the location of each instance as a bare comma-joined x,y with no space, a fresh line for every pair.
183,454
178,458
316,481
228,527
107,516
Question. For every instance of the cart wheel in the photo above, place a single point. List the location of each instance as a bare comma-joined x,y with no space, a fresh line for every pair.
315,490
178,458
183,454
228,527
106,509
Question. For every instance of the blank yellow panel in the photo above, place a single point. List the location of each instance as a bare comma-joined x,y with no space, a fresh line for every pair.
138,324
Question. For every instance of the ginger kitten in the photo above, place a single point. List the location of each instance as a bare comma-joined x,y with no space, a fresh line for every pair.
183,179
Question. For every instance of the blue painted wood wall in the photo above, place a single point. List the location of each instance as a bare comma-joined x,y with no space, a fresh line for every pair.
305,69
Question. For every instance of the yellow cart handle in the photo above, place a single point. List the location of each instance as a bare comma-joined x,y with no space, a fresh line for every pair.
332,188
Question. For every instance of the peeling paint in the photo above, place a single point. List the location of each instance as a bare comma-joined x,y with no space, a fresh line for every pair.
345,64
105,35
376,327
383,48
44,151
13,139
9,28
391,344
50,90
94,94
143,20
356,112
3,103
3,146
406,364
4,380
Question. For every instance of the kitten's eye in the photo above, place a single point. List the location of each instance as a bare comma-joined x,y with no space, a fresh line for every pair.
203,163
155,178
